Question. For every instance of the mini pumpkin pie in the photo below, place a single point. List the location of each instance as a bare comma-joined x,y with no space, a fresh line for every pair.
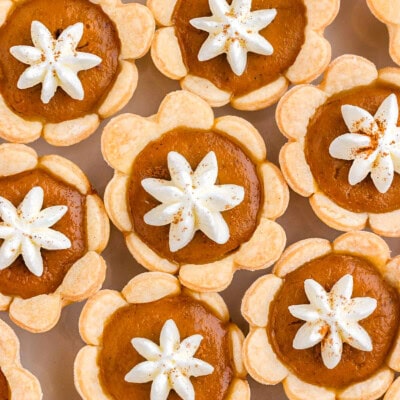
387,11
193,194
159,340
326,321
53,228
15,381
243,52
344,145
66,65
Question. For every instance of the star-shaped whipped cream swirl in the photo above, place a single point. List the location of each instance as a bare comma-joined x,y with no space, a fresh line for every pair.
234,29
54,62
170,365
373,143
191,201
332,319
26,230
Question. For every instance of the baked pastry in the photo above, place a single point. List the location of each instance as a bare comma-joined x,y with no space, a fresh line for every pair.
193,194
387,11
326,322
15,381
258,66
66,65
53,228
160,338
343,145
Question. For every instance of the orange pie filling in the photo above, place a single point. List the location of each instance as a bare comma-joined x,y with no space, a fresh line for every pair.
100,38
332,174
69,225
227,200
377,318
4,390
118,355
286,35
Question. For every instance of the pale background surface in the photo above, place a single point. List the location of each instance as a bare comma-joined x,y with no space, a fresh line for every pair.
50,356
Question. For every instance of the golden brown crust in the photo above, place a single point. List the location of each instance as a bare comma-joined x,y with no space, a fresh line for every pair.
394,391
135,24
167,57
127,135
86,276
145,288
22,384
293,114
259,357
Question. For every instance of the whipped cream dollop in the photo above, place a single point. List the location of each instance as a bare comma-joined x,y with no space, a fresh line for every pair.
170,365
332,319
54,62
373,143
191,201
26,229
234,29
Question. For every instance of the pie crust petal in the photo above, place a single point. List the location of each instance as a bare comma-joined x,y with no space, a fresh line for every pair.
254,254
236,340
346,72
299,253
261,361
66,171
22,384
296,389
16,158
15,129
371,389
262,97
386,11
312,60
213,301
145,288
84,279
394,391
240,390
96,312
296,170
122,90
147,257
213,277
321,13
115,202
97,224
296,108
387,224
167,55
36,314
276,192
390,75
256,301
245,133
366,245
162,10
206,90
335,216
86,371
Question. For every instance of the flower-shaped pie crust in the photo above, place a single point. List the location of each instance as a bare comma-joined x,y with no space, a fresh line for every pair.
387,11
260,359
21,383
127,135
135,26
312,60
86,276
293,114
146,288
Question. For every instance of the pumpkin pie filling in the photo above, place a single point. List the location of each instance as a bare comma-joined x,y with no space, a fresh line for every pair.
382,325
100,37
331,174
17,280
286,35
235,167
117,355
4,390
